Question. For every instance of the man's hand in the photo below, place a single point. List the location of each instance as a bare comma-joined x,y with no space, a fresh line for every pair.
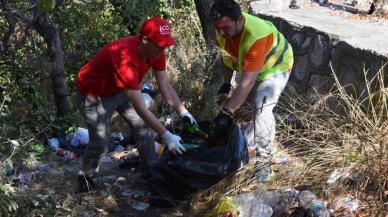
225,89
173,142
187,114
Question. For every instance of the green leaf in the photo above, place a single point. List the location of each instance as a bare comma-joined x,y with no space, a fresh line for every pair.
46,5
14,205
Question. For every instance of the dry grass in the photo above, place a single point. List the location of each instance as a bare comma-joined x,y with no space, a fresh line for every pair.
338,131
322,133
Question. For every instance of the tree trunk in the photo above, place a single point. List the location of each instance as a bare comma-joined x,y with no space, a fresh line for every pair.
4,43
49,31
213,64
203,10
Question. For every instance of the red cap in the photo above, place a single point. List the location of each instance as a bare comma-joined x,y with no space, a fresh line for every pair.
159,31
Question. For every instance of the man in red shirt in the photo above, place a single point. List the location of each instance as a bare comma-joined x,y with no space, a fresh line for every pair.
110,82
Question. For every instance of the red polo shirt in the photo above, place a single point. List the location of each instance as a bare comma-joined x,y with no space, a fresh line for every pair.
116,67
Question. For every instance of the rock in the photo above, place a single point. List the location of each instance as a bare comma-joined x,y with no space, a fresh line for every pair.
301,71
319,55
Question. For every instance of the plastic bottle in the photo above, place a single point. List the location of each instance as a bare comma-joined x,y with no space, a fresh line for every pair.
308,200
191,147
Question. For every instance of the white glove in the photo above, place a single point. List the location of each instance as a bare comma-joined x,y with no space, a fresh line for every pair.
186,113
173,142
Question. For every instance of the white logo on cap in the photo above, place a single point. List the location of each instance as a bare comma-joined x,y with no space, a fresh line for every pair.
164,30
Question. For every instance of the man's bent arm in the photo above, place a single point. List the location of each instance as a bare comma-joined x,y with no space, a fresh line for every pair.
137,100
242,91
168,91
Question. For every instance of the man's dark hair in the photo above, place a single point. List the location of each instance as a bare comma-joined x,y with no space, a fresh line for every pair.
228,8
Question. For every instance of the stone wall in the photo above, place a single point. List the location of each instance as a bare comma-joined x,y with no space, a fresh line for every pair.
318,54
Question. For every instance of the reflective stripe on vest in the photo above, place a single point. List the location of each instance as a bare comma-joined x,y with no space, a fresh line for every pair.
279,58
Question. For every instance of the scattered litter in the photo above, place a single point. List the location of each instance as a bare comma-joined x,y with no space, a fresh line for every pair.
159,149
115,140
126,193
138,194
308,200
139,205
23,178
117,136
80,137
263,173
106,159
248,202
348,204
226,205
46,168
54,143
337,177
121,179
109,179
262,210
67,154
290,197
148,100
280,159
35,202
119,148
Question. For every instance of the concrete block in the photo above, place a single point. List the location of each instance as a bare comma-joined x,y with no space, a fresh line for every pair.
320,53
320,83
301,67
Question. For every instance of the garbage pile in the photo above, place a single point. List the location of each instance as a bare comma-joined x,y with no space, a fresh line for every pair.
286,202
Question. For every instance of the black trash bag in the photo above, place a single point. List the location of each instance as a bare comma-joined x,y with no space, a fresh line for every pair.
178,176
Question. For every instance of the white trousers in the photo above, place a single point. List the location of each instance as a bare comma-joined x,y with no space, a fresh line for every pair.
264,96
